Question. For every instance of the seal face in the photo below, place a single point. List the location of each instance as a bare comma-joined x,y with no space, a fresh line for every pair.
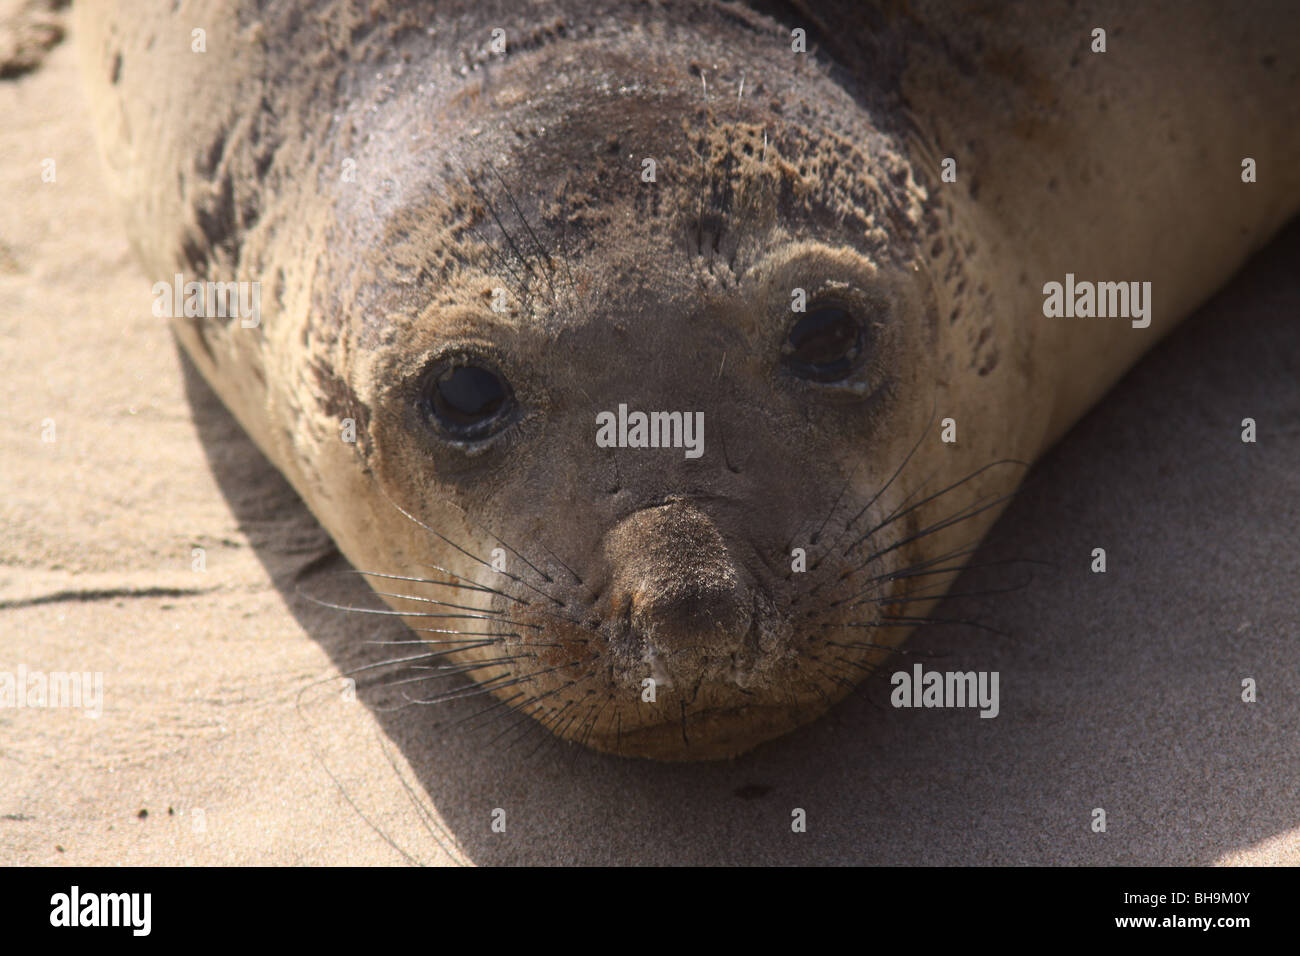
647,365
690,595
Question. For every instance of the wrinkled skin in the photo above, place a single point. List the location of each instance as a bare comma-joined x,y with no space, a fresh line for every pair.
389,185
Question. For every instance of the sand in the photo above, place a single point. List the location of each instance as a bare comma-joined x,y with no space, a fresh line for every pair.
227,735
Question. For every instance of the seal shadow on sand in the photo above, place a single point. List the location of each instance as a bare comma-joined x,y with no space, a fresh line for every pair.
1119,690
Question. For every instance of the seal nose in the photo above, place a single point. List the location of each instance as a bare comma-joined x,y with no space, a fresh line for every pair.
706,613
683,595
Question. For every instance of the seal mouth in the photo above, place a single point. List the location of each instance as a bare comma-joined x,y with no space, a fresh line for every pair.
697,664
709,733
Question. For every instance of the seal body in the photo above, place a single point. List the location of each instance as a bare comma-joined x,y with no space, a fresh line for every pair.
806,243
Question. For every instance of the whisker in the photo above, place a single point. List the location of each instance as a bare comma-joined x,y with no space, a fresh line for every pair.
913,570
817,564
919,622
362,668
527,721
429,820
564,237
529,701
907,651
436,654
448,584
831,675
501,541
845,659
491,685
481,616
563,565
381,612
507,702
920,595
934,528
587,728
556,731
471,556
446,672
934,409
427,600
438,630
510,240
543,255
537,725
957,484
424,641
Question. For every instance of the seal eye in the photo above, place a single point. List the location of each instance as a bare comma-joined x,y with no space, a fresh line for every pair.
467,401
824,346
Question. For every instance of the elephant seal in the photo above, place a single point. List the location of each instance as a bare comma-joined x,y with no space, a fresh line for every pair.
660,363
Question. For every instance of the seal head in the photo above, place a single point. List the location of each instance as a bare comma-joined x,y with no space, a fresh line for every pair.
755,293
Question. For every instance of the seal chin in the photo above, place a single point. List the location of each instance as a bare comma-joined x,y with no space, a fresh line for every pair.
711,734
